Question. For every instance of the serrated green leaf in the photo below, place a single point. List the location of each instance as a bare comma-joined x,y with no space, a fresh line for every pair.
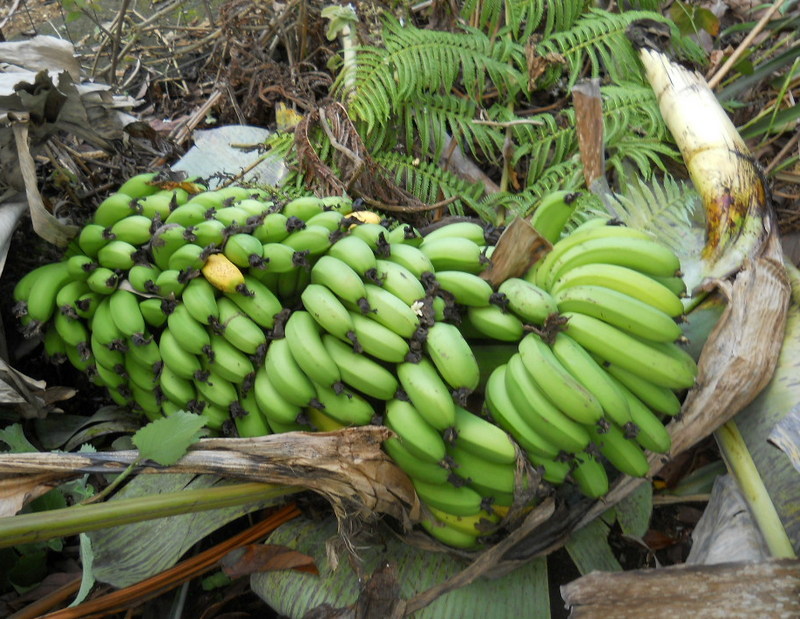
14,437
634,511
167,440
588,547
521,593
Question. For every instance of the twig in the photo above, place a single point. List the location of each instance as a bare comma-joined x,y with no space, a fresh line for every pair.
739,51
786,148
115,43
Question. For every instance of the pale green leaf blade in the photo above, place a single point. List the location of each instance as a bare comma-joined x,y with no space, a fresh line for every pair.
128,554
166,440
522,593
634,511
589,549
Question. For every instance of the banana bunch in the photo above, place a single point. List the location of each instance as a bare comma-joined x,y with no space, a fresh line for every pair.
313,315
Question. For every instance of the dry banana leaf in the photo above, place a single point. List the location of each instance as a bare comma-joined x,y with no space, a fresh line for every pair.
768,589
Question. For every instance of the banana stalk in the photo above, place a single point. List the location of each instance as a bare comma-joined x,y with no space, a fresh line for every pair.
731,185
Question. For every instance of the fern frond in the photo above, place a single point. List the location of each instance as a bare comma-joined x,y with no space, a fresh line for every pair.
562,16
430,183
430,118
414,61
664,208
598,38
631,108
642,153
565,175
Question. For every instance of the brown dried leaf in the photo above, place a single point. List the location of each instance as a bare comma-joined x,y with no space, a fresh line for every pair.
16,491
265,558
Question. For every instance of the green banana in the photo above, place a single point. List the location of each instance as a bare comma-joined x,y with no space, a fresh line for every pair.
254,206
505,414
289,286
142,278
590,475
171,283
114,208
451,536
640,358
359,371
249,420
340,278
306,345
427,392
418,437
377,340
479,524
411,258
303,208
650,432
319,421
140,375
390,311
398,280
454,254
244,250
413,466
104,329
44,288
125,312
200,299
55,348
188,215
257,301
552,471
467,288
341,204
313,239
144,350
92,238
554,380
109,357
280,258
158,205
492,322
153,312
190,334
593,377
624,454
644,255
625,280
166,241
460,501
482,438
404,233
73,332
659,399
103,280
209,232
286,376
134,229
346,407
485,476
329,312
675,284
553,212
182,362
355,252
86,304
188,258
372,234
109,378
596,228
532,304
140,185
217,417
471,230
226,360
80,266
621,310
332,220
539,413
275,407
238,329
272,229
452,356
67,297
216,389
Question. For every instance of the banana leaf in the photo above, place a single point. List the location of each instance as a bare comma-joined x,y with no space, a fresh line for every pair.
344,579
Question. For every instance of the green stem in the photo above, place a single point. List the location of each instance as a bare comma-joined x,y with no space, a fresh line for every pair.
41,526
740,464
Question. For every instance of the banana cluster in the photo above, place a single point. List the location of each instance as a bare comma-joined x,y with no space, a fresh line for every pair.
310,315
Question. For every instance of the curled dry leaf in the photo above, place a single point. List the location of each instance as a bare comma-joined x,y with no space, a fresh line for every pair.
265,558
